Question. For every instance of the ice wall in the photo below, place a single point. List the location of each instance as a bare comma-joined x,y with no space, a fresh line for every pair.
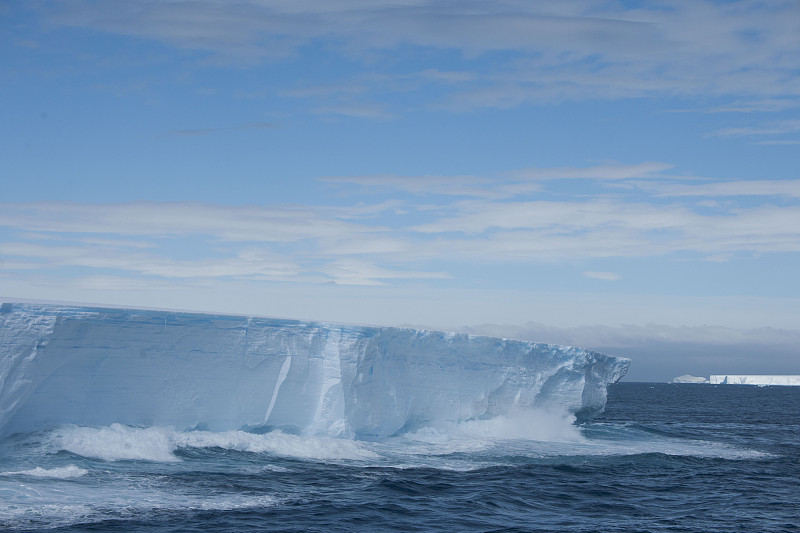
739,379
94,366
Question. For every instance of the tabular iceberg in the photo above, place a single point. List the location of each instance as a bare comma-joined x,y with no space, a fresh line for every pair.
739,379
96,366
688,378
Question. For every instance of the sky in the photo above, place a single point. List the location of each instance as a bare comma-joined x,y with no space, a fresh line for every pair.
618,175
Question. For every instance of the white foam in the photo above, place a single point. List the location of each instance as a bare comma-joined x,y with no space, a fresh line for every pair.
522,433
539,434
673,447
57,508
64,472
530,427
118,442
226,503
548,425
44,515
278,443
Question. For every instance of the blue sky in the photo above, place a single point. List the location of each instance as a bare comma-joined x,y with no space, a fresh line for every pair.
619,175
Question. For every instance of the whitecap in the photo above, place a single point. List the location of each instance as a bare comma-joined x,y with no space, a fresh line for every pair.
159,444
117,442
277,443
52,509
532,424
64,472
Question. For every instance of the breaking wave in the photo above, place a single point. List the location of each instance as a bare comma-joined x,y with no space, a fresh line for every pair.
529,433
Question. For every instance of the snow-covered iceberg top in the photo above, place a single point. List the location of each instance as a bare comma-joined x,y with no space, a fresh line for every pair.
97,366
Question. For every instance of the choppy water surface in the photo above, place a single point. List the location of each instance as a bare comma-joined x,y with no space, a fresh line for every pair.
661,458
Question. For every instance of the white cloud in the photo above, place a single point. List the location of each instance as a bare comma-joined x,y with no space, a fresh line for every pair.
781,127
15,264
358,272
784,188
758,106
605,276
550,231
649,169
120,283
373,111
248,262
504,185
227,223
560,218
778,143
544,51
397,245
373,243
423,185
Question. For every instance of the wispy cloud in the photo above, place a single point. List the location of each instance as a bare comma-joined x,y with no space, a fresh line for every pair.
503,185
542,51
422,185
771,105
772,128
778,143
248,262
207,131
349,271
602,172
782,188
560,231
507,218
371,111
604,276
226,223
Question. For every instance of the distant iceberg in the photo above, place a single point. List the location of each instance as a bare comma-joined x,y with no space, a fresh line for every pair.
740,379
96,366
686,378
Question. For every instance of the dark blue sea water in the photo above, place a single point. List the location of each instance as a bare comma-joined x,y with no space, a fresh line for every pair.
662,457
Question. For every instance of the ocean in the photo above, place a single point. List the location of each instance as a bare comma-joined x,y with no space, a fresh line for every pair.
662,457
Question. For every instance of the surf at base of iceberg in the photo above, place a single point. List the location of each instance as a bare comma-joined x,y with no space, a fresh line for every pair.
63,365
118,443
528,433
90,475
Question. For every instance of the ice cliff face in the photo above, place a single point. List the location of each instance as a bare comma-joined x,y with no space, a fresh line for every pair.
93,366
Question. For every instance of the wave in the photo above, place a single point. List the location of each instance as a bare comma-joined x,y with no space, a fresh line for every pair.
118,442
64,472
548,425
56,508
524,433
121,472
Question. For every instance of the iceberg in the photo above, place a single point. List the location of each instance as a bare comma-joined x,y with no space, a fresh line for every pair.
688,378
739,379
99,366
